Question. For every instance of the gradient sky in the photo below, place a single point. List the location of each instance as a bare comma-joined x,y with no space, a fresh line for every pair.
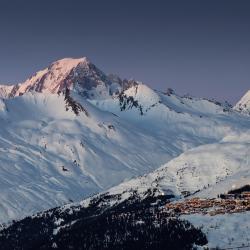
198,47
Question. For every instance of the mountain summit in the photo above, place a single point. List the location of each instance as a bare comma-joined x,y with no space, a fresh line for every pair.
76,74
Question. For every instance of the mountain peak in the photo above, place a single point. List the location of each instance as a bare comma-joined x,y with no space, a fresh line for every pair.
70,62
78,74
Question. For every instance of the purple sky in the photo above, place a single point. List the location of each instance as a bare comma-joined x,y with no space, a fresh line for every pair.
196,47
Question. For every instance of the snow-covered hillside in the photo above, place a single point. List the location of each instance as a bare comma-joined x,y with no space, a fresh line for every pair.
71,131
205,171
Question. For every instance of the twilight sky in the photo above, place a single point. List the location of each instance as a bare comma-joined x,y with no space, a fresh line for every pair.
199,47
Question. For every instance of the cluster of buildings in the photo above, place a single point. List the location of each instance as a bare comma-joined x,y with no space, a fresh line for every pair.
229,204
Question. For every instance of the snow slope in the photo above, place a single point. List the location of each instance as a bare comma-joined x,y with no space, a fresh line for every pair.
39,138
207,170
224,231
51,155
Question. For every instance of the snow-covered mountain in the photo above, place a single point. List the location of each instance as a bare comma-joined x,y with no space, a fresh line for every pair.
244,103
71,131
78,74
